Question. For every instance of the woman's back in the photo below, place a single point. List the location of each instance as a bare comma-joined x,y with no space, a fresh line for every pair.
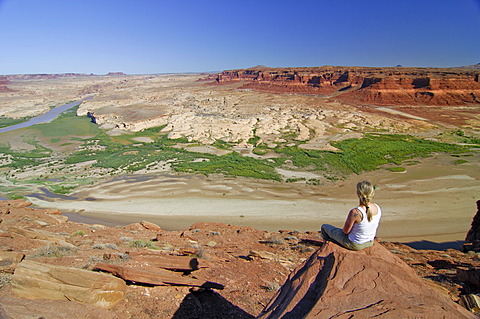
365,230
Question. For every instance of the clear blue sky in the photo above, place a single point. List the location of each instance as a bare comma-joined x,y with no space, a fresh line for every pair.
160,36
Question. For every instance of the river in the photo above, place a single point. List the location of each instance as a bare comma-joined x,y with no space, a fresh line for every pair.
43,118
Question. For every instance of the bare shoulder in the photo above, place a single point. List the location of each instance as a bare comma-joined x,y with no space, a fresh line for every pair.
356,214
375,208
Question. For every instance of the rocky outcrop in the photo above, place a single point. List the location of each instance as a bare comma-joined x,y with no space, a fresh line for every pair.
3,85
9,260
16,308
338,283
378,86
34,280
472,240
251,264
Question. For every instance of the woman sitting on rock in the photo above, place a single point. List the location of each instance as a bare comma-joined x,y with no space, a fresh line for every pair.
362,222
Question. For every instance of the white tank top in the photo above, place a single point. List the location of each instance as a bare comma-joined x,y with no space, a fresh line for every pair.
365,231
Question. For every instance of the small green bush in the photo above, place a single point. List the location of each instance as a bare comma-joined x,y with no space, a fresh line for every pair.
138,243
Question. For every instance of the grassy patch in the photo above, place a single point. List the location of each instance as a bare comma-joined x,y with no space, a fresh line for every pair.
5,121
374,150
232,164
460,161
223,145
67,124
366,154
459,136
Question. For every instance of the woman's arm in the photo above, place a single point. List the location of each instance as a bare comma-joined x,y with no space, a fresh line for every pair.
354,216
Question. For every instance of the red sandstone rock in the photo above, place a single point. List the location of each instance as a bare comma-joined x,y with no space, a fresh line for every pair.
378,86
18,203
11,307
157,277
150,226
472,240
9,260
34,280
335,282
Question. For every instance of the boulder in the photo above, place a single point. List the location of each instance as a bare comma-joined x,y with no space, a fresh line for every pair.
472,240
57,215
40,235
9,260
34,280
17,203
158,277
337,283
150,226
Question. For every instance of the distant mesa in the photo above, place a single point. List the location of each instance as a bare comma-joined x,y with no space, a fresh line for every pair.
366,85
474,66
43,76
46,76
116,74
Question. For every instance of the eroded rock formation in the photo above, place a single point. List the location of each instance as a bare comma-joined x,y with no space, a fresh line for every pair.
378,86
3,84
472,240
337,283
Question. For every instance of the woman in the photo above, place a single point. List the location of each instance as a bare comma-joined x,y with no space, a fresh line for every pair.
362,222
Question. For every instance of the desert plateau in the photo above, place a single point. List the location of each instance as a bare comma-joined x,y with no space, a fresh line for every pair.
235,172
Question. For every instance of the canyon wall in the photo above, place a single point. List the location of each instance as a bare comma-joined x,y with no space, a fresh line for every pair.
378,86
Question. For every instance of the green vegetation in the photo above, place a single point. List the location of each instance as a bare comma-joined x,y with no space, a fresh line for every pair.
366,154
5,121
68,124
374,150
222,145
459,136
460,161
138,243
232,164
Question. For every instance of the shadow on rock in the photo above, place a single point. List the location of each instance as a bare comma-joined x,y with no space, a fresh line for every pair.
208,304
430,245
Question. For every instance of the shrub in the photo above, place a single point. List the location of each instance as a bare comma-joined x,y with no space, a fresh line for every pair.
79,233
138,243
52,251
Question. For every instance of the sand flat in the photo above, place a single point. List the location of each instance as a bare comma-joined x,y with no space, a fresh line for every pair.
434,200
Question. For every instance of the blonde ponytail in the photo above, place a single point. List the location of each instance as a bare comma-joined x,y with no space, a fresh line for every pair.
365,192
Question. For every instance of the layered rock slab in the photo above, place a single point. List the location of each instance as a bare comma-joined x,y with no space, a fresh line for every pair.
34,280
337,283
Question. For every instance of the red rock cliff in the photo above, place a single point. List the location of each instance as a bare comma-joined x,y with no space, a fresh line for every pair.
380,86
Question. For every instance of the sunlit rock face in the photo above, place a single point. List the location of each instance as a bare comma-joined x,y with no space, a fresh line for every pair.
379,86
